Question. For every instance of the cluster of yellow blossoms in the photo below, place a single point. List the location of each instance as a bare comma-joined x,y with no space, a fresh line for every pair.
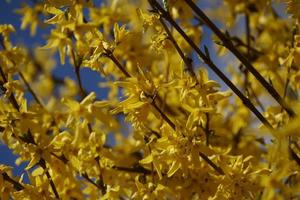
183,137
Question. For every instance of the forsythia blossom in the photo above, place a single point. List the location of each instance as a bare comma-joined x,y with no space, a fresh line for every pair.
168,128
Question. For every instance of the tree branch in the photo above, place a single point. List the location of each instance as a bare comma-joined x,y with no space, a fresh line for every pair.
228,44
42,163
110,55
210,63
18,186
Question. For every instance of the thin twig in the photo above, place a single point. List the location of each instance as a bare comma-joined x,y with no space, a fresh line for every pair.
42,163
31,90
101,180
86,177
12,98
133,170
207,129
110,55
248,37
186,60
18,186
77,73
212,164
252,93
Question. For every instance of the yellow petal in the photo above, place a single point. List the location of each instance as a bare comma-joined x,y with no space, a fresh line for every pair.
147,160
175,166
37,172
33,161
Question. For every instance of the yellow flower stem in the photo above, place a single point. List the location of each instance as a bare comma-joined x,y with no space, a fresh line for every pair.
26,83
83,93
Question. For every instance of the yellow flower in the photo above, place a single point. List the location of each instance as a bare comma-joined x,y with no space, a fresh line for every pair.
119,33
59,41
5,30
30,17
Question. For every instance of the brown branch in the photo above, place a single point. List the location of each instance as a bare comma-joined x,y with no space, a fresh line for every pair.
29,139
294,155
252,93
133,170
248,36
110,55
18,186
209,63
207,129
42,163
102,185
86,177
228,44
165,118
31,90
186,60
77,73
12,98
212,164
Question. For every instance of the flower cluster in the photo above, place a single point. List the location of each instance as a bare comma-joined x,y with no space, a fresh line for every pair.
186,135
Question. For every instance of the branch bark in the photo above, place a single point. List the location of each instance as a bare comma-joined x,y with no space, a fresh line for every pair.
228,44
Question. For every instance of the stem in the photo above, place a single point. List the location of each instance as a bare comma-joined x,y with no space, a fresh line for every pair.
101,183
12,98
228,44
210,64
212,164
86,177
31,90
207,129
186,61
77,72
164,116
259,103
133,170
18,186
42,163
248,36
110,55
